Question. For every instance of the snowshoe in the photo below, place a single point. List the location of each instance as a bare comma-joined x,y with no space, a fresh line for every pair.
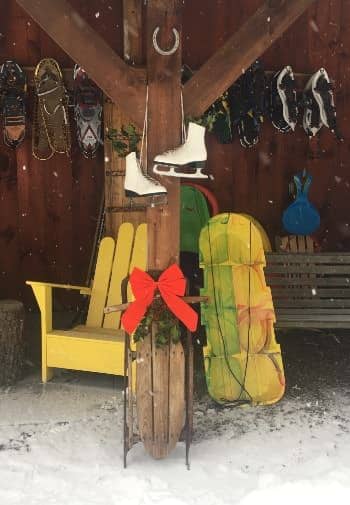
283,106
13,90
51,131
247,104
322,90
87,113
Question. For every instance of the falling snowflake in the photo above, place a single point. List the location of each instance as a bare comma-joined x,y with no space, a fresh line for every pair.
97,14
314,26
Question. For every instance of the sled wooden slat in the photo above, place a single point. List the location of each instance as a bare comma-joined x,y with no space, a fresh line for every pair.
310,290
160,370
176,393
144,391
160,397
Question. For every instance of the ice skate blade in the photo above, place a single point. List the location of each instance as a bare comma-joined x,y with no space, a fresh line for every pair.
133,194
170,171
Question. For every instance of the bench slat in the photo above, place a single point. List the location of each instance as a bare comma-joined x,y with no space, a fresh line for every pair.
317,303
343,258
308,281
300,323
299,268
309,292
311,313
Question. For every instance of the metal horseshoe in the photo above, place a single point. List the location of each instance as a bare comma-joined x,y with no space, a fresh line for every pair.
170,51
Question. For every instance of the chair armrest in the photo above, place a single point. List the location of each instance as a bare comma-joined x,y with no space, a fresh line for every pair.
84,290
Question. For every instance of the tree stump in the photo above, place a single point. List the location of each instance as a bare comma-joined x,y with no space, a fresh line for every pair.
11,341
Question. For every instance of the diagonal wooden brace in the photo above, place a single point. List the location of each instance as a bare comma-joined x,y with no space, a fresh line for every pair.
123,84
261,30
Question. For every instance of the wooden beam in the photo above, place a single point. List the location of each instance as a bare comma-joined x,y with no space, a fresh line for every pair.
123,84
116,203
268,23
164,128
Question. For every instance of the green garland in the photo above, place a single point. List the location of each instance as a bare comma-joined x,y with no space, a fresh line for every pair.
125,140
167,326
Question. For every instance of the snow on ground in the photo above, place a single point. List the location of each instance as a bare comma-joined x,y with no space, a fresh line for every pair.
61,443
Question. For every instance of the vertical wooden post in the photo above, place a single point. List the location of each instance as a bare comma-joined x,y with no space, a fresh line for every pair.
115,118
164,127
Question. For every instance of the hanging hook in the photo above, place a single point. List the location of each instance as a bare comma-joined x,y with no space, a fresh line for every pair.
170,51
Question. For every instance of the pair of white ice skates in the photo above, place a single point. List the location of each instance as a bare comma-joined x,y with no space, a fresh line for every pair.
187,160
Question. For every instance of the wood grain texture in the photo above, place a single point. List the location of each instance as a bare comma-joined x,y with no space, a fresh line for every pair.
164,128
160,385
115,118
122,83
247,44
253,181
144,391
302,291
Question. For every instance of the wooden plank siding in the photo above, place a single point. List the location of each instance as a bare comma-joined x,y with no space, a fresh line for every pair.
48,216
56,202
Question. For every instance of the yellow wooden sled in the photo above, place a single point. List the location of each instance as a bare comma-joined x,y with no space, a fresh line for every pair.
264,236
242,359
97,346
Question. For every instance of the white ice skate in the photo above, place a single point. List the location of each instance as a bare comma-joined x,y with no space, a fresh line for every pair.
187,160
137,183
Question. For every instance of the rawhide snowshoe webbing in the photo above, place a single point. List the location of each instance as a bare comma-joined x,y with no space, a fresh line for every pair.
13,90
51,132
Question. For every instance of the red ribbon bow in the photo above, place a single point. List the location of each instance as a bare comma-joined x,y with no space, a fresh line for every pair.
171,285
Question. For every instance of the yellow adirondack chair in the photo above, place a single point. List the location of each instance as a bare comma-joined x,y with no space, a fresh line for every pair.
97,346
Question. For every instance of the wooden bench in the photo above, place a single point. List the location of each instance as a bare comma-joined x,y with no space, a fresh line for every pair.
310,290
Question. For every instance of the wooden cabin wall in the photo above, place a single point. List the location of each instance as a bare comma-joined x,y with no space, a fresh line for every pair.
256,180
49,209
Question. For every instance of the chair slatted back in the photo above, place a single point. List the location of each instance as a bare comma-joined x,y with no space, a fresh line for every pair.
120,270
115,261
101,281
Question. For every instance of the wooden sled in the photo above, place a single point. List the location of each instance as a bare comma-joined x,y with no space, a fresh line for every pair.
164,392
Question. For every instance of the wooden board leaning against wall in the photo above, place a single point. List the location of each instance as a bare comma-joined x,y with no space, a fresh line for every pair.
115,199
